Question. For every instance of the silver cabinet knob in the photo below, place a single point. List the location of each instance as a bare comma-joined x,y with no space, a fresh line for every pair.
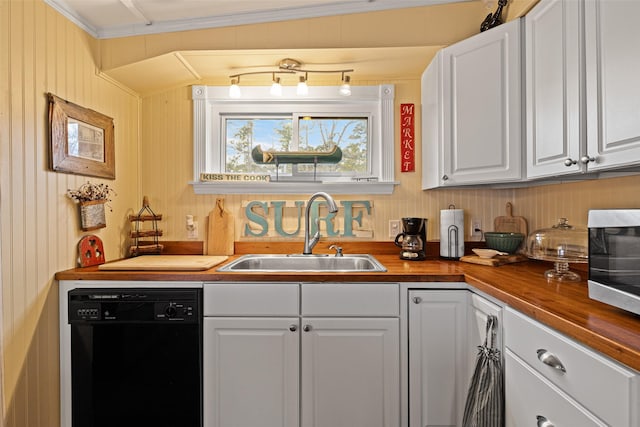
445,177
587,159
569,162
417,300
293,328
544,422
550,359
306,328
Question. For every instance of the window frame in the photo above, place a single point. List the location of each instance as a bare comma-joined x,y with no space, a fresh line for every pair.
210,102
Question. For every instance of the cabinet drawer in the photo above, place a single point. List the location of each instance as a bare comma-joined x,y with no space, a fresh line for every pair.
251,299
350,299
529,396
607,389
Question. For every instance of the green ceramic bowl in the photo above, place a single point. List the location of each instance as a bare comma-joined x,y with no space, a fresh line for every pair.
504,242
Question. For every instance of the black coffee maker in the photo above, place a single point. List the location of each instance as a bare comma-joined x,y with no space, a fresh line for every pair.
413,238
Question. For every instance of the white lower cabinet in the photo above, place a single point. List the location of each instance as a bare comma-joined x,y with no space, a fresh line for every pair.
328,355
437,357
251,369
551,378
534,401
350,372
285,369
445,328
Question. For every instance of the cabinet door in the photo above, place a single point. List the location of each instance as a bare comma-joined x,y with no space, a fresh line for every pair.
553,80
350,372
438,372
612,35
432,127
482,107
251,372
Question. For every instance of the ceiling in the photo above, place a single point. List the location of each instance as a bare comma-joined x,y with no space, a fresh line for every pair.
213,67
122,18
106,19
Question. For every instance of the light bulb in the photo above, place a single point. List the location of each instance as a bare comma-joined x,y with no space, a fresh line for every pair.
234,89
276,87
345,89
302,89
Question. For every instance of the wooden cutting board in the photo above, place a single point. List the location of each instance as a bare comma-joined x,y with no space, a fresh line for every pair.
496,261
221,231
165,262
510,223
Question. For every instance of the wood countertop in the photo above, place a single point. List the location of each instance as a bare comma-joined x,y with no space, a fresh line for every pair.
565,307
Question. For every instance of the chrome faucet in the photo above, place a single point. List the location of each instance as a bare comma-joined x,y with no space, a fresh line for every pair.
310,242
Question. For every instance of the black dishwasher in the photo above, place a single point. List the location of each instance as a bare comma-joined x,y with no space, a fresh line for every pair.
136,357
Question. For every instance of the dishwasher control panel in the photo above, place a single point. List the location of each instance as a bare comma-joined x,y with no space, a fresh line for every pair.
140,305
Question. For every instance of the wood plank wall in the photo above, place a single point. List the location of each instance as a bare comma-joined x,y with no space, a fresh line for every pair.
167,144
40,52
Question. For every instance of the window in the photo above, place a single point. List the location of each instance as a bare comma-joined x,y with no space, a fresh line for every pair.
345,144
308,145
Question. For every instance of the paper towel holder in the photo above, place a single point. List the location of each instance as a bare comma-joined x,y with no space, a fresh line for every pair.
450,237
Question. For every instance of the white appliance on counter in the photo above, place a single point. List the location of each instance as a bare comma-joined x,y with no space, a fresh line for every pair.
614,257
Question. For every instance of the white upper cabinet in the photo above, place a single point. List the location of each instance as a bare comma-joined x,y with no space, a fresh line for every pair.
612,40
471,98
553,80
582,96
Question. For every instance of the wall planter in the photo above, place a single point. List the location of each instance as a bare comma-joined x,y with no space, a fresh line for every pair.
92,199
92,215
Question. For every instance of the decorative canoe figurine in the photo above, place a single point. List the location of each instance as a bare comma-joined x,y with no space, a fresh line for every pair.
279,157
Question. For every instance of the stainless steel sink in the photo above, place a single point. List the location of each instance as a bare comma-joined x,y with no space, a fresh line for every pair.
302,263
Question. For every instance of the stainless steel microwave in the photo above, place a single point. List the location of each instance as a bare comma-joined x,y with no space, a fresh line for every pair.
614,257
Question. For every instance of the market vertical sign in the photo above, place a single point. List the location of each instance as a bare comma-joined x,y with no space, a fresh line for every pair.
407,138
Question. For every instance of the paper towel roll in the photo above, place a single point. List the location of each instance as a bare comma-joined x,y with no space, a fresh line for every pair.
452,233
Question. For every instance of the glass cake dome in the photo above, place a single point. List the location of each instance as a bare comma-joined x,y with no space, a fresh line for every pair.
561,244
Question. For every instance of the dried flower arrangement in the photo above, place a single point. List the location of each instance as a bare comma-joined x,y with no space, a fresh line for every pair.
92,199
90,192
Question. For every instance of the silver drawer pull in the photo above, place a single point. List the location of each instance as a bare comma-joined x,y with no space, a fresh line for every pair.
544,422
306,328
293,328
417,300
550,359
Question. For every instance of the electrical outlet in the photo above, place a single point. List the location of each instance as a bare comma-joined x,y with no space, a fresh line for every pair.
394,227
192,228
476,228
192,232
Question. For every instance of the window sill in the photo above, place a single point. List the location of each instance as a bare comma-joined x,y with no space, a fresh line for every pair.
293,187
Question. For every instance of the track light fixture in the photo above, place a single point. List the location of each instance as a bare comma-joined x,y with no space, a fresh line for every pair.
291,66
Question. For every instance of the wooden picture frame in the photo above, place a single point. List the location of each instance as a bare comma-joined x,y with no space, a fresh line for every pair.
81,140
